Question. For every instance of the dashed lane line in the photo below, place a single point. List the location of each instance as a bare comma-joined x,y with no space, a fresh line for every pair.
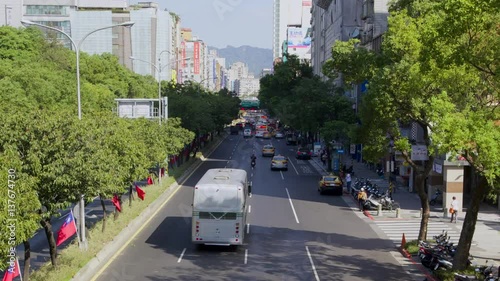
182,254
312,264
291,204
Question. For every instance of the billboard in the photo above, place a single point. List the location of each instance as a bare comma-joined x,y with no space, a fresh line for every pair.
298,38
196,56
183,54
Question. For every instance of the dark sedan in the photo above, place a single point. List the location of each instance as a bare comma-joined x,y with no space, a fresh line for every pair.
303,153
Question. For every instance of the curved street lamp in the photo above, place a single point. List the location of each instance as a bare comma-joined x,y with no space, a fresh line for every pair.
27,23
158,70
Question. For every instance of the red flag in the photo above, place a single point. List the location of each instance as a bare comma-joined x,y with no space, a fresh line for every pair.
150,180
140,193
12,272
116,202
67,230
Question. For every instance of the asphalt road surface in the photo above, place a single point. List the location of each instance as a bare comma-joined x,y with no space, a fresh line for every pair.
294,233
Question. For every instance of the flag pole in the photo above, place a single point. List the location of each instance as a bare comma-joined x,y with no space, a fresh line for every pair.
74,222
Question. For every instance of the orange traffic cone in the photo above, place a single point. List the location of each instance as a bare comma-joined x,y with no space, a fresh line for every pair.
403,241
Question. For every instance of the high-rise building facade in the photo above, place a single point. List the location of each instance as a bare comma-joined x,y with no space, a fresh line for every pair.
298,34
332,20
156,42
152,40
291,23
280,21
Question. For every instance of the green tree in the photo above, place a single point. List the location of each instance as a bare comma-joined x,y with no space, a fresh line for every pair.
466,112
20,216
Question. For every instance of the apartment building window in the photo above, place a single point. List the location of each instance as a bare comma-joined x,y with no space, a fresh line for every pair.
45,10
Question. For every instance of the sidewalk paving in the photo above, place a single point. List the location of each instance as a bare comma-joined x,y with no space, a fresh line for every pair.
486,240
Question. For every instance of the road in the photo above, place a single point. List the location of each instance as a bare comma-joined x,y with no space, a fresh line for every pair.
294,233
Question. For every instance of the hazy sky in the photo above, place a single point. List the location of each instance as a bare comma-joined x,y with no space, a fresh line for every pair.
226,22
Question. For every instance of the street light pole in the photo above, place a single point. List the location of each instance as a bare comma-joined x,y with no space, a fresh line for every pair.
83,242
158,70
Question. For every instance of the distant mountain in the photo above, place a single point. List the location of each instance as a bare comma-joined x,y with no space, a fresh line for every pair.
255,58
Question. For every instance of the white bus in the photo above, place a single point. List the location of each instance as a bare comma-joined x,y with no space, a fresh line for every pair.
220,207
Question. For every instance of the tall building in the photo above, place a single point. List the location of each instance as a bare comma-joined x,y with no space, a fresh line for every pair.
374,17
280,21
152,40
157,43
186,34
235,72
333,20
298,40
247,86
193,65
11,12
294,14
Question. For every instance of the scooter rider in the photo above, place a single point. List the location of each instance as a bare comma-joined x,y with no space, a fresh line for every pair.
253,158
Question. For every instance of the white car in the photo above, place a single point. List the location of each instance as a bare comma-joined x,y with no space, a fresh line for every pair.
259,134
247,133
279,135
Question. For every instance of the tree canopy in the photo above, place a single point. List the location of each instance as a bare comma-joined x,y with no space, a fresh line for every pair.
57,157
439,68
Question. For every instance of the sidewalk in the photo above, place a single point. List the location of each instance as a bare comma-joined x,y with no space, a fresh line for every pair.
486,240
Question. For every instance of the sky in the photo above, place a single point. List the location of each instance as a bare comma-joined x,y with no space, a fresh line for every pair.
226,22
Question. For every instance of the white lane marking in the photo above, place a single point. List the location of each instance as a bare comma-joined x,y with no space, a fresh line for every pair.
291,162
312,264
246,256
251,175
249,208
248,228
229,158
283,178
291,204
182,254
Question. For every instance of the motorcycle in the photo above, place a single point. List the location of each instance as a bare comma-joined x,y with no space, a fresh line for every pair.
252,163
437,197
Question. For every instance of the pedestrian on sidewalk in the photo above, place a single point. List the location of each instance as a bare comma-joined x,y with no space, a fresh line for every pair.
348,181
454,209
323,158
362,199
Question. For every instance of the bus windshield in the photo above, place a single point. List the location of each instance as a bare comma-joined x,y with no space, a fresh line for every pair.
217,198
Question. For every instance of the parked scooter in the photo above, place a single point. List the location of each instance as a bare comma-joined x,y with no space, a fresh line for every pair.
437,197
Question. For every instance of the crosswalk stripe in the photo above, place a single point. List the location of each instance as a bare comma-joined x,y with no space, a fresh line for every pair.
394,230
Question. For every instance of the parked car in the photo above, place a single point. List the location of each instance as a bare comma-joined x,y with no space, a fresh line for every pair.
330,183
303,153
247,133
279,135
279,162
268,150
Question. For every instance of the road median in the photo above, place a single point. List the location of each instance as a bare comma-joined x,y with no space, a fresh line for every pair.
73,264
